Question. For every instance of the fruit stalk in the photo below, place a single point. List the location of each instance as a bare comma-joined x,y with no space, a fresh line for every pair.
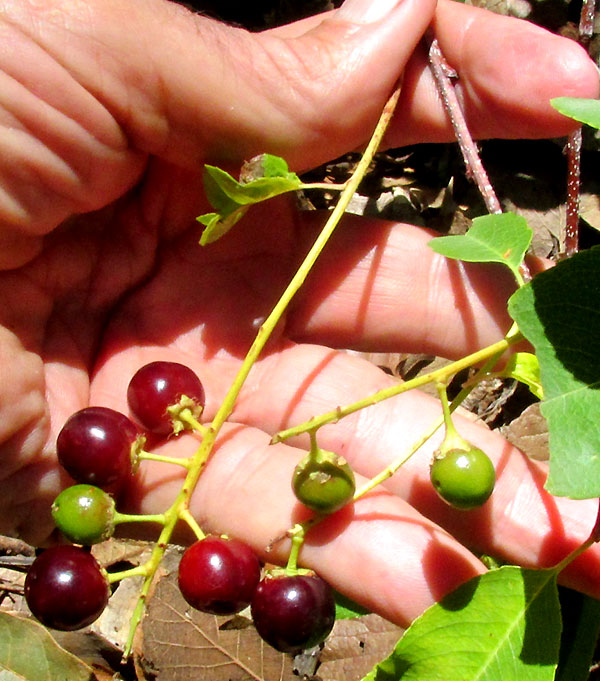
181,504
439,375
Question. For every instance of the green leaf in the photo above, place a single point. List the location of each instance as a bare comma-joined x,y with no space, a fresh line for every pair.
583,110
346,608
524,367
581,626
217,226
265,176
244,194
29,651
491,238
267,165
502,626
559,313
7,675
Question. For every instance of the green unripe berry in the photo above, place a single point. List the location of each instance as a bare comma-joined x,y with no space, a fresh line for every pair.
463,478
323,481
84,514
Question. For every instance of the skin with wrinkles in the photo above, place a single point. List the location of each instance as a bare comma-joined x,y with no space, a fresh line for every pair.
103,133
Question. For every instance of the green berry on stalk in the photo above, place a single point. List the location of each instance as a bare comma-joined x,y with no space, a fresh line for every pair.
84,514
464,478
323,481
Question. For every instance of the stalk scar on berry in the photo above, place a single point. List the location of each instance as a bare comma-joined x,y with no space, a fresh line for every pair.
185,414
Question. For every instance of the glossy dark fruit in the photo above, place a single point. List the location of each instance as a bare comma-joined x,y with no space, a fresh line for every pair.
292,613
464,479
159,385
324,482
66,588
84,514
95,444
219,575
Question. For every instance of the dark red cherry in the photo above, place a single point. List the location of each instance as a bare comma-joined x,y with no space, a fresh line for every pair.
94,446
66,588
159,385
219,575
292,613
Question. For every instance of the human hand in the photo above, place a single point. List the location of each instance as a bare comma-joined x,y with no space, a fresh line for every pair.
115,124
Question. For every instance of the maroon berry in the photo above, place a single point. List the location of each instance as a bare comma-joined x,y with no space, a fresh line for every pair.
66,588
94,446
292,613
159,385
219,575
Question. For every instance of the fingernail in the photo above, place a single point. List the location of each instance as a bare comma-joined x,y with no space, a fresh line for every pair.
366,11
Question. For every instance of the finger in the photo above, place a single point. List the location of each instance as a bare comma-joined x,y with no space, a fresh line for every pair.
521,523
379,287
513,69
508,70
192,87
380,552
61,150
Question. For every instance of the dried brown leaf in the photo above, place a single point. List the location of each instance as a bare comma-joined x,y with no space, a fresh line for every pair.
529,432
355,646
114,550
180,643
590,209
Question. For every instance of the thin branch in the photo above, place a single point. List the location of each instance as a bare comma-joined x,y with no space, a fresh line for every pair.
570,242
586,22
441,72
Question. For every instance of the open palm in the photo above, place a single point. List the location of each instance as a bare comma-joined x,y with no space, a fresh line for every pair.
87,302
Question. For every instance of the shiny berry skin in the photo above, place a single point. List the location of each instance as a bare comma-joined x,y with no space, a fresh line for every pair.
463,478
84,514
292,613
159,385
323,481
94,446
219,575
66,588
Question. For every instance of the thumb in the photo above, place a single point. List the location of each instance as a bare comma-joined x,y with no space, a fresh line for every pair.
186,88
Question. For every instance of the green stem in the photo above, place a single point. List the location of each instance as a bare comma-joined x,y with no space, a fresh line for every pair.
139,571
452,440
188,518
133,518
447,416
439,375
314,447
181,503
298,279
187,417
324,185
297,534
149,456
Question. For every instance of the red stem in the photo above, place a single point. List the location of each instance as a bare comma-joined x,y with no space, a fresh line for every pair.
441,72
570,245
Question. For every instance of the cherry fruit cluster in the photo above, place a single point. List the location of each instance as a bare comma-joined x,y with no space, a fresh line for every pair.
100,448
67,589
